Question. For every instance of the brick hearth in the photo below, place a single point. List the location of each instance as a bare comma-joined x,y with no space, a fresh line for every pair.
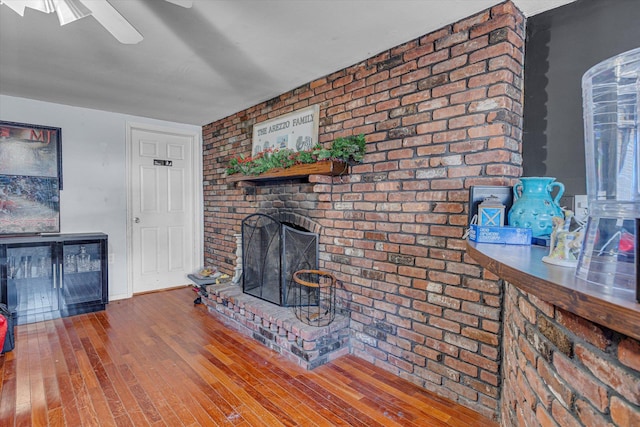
277,327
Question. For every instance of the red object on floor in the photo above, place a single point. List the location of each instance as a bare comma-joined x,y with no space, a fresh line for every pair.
4,325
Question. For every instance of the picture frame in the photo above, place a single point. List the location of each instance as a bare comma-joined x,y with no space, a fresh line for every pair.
29,205
31,150
478,193
296,131
30,178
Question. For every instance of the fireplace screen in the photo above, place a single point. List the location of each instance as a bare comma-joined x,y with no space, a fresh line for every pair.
272,252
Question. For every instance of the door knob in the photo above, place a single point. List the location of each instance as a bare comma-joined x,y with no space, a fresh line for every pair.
136,220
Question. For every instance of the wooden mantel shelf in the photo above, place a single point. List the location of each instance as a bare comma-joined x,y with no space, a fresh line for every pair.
325,167
522,266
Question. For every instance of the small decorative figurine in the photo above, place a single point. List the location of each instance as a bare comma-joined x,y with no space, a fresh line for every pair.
565,245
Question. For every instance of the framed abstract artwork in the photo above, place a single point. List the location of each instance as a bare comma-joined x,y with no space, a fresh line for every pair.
30,178
30,150
29,205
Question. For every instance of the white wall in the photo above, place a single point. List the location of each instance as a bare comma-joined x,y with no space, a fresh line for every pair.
94,195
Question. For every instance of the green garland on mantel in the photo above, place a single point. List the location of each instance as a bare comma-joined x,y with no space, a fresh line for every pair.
350,149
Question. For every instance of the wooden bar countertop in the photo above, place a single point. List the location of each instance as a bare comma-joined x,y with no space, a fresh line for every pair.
522,266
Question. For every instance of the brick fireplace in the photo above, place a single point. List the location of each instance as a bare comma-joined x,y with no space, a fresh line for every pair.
440,113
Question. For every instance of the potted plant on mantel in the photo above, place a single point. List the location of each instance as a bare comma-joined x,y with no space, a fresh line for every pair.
286,163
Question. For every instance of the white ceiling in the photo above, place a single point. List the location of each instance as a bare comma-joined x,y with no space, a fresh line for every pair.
198,65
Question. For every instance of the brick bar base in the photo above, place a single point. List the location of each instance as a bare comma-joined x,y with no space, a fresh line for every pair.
277,327
562,370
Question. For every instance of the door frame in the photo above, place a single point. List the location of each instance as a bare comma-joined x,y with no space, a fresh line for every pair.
196,204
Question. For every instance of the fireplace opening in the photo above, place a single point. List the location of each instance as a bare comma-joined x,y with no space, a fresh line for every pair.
272,251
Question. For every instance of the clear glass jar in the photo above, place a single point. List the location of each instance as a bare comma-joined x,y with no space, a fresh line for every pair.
611,92
70,263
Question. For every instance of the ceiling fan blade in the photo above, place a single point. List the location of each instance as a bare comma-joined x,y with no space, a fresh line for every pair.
70,10
16,5
113,21
183,3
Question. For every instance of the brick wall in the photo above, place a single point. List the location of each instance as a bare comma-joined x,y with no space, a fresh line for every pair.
565,370
440,113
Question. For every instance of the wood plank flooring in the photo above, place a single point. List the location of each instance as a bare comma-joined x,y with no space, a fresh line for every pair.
158,360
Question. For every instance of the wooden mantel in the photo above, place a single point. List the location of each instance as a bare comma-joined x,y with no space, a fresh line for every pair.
325,167
522,266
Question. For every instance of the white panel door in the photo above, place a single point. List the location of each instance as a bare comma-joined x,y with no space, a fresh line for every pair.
162,192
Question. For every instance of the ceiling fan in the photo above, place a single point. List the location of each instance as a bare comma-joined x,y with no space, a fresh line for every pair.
71,10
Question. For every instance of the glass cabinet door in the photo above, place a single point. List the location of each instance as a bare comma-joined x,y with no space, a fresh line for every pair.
32,285
46,277
81,265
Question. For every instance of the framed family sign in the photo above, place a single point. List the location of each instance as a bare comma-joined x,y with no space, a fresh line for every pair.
30,178
297,131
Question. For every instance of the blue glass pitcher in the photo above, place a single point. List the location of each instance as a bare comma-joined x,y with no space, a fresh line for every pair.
533,205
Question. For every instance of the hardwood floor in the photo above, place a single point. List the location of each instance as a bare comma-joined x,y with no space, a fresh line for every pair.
156,359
